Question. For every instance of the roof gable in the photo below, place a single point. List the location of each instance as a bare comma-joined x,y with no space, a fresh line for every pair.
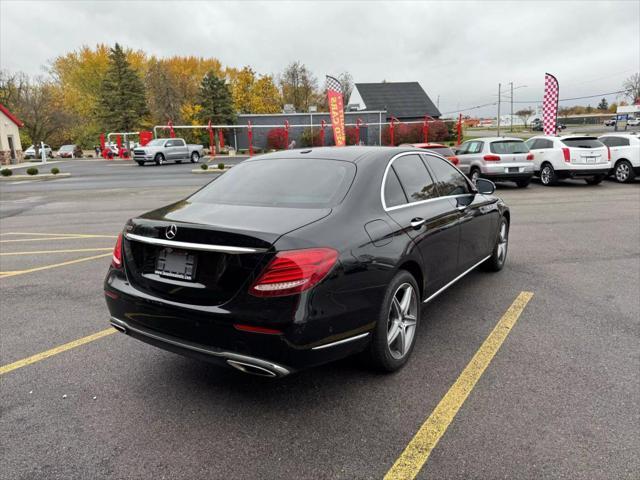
11,116
399,99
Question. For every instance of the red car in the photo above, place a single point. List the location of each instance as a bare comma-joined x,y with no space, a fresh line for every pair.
436,148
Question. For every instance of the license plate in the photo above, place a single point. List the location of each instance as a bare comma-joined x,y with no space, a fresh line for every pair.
176,264
513,169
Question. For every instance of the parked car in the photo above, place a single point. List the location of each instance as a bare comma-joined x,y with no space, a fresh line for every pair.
297,258
161,150
625,155
570,156
611,122
536,125
31,152
66,151
496,158
633,122
443,150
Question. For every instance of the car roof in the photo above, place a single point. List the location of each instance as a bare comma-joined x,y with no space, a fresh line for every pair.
353,153
494,139
424,145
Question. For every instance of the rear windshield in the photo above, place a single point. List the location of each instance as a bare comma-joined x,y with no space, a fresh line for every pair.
583,142
509,146
291,182
444,151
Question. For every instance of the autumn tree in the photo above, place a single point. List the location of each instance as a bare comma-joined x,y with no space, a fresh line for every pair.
525,114
265,96
631,87
162,92
299,87
215,100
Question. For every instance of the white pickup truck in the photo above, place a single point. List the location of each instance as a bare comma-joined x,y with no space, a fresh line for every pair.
161,150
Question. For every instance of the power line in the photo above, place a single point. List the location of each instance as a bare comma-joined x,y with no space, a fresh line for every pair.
574,98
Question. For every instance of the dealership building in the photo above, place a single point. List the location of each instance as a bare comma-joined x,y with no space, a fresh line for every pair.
10,146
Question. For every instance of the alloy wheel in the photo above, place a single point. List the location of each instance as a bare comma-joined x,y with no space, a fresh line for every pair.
475,175
622,172
502,243
545,175
401,324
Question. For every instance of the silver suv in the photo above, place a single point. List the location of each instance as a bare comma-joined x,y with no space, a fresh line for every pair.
496,158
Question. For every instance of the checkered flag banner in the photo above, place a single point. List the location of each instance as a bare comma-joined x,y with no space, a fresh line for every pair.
550,104
333,85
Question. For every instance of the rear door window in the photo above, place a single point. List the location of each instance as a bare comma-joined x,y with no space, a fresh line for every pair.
582,142
393,193
615,141
449,179
509,147
290,182
414,178
475,147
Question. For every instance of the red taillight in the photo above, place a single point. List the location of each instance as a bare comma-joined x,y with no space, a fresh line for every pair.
567,154
454,160
608,153
254,329
492,158
294,271
116,259
530,156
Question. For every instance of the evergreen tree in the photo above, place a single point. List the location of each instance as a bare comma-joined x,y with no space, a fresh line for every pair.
216,101
122,98
603,105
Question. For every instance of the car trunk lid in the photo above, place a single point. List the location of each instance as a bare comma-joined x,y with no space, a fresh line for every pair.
203,254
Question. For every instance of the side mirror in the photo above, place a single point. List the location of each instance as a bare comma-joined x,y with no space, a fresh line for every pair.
485,187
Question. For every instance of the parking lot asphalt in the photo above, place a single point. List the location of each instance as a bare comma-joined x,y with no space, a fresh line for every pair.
560,398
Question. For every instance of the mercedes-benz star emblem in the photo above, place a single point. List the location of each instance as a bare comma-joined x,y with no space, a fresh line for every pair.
171,231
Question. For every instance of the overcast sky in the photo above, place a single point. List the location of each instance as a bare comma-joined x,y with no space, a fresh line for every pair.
457,50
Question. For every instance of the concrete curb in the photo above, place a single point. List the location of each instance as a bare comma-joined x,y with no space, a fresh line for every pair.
40,176
210,170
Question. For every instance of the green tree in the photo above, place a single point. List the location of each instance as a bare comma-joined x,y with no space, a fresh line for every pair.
603,105
122,98
215,100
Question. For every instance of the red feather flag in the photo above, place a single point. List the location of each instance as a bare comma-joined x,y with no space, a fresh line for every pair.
336,110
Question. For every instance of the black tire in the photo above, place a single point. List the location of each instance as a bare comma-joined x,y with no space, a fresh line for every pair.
474,174
595,180
195,157
623,172
140,162
379,353
159,159
524,183
548,175
499,256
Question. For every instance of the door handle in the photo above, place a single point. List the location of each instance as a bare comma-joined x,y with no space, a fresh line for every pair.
462,208
416,223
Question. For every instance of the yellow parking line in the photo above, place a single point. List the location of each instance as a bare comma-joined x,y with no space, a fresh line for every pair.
413,458
55,265
54,351
73,250
42,239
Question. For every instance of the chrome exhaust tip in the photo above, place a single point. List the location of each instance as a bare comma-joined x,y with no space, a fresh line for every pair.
252,369
119,327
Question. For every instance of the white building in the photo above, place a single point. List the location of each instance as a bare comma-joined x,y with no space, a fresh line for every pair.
10,146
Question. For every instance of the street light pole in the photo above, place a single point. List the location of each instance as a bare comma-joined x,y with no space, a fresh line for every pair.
499,99
511,118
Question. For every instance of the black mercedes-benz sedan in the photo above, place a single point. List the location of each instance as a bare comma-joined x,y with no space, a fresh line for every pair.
297,258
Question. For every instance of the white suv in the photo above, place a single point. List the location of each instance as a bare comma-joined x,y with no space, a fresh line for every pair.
496,158
625,155
571,156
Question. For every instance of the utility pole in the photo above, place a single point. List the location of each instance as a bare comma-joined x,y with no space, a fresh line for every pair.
499,99
511,119
438,102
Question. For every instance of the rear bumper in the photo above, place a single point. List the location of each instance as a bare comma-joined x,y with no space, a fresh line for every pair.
582,172
508,176
211,336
